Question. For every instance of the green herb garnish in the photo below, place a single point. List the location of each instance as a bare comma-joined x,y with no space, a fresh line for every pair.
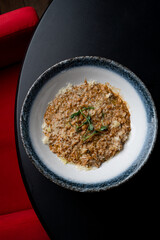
103,128
80,111
89,136
89,122
77,127
70,124
90,127
85,108
75,114
102,117
98,131
88,118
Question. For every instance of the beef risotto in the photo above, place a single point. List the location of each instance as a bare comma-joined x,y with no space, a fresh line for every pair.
86,124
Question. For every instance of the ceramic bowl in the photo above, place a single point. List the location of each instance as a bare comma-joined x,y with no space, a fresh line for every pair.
143,123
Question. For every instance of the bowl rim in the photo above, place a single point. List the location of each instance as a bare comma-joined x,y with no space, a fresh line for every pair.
77,62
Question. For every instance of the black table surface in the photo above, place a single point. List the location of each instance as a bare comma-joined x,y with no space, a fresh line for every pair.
121,30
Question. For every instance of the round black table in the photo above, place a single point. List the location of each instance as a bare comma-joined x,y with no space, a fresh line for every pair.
127,32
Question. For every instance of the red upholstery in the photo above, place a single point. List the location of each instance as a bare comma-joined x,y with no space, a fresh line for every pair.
13,196
16,28
17,219
23,225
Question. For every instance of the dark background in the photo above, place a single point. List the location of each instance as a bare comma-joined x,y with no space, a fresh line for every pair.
127,32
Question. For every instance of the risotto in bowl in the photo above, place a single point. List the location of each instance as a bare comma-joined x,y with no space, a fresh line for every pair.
88,124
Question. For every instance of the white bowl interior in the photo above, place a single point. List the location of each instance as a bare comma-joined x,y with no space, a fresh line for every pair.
110,168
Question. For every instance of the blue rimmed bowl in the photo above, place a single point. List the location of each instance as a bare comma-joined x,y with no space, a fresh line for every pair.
143,123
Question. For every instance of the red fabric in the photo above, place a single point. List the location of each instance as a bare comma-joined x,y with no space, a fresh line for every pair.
13,196
23,225
16,29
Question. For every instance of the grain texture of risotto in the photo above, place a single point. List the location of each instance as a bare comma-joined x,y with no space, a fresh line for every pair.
86,124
